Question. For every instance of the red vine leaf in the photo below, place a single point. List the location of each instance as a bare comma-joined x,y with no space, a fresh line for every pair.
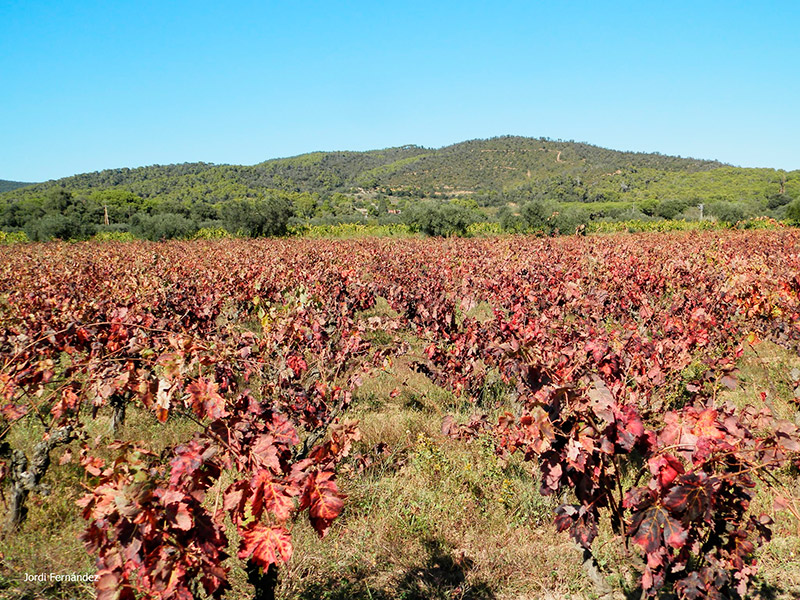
205,399
266,545
323,499
654,527
272,496
692,498
665,468
706,426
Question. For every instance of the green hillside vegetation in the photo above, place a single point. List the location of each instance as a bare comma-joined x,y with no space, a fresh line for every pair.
7,186
517,182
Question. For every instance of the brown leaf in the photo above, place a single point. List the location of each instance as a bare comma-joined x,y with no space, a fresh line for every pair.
205,399
729,382
182,517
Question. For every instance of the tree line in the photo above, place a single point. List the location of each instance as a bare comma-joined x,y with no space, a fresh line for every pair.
61,214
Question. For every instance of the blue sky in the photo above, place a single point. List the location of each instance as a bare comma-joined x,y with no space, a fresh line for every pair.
86,86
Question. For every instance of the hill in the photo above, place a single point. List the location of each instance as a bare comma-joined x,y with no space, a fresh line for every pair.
489,175
564,171
7,186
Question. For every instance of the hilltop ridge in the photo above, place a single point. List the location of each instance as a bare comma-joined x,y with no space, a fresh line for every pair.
570,170
491,179
7,186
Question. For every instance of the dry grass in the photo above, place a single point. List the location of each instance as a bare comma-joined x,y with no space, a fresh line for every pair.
452,521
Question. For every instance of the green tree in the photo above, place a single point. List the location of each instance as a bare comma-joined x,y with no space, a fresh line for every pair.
649,206
57,226
538,215
793,212
305,205
729,212
257,217
778,200
511,221
164,226
440,218
671,208
121,204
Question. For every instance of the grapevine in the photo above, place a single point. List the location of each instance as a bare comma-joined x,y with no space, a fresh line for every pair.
613,350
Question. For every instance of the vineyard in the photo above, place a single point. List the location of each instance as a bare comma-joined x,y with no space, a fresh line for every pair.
241,418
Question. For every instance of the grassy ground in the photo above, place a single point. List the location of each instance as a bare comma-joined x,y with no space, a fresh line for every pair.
48,541
428,517
432,517
441,518
766,367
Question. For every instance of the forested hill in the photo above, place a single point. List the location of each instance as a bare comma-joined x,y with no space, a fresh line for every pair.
7,186
520,183
512,166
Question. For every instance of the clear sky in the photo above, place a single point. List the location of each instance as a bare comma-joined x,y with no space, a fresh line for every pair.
86,86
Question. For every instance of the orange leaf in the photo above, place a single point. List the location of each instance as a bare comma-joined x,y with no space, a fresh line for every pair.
266,545
706,425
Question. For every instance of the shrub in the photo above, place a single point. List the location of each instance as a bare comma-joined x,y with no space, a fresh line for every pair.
669,209
729,212
257,217
13,237
793,212
164,226
538,215
440,219
56,226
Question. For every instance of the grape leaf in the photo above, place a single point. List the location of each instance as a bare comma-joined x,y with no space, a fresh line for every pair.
266,545
323,499
272,496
